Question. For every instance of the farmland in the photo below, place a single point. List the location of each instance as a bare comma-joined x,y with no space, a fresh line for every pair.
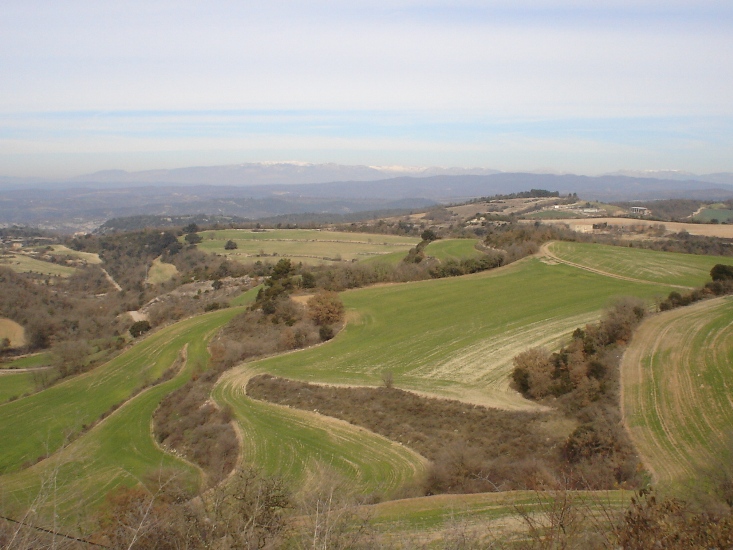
13,332
87,257
62,411
452,338
295,444
15,384
453,249
677,381
456,337
22,263
646,265
303,245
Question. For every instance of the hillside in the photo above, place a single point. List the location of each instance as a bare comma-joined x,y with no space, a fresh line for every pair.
452,338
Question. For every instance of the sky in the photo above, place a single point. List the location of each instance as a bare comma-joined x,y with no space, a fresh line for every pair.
559,85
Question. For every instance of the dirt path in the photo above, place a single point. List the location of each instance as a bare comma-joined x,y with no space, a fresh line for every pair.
545,252
118,288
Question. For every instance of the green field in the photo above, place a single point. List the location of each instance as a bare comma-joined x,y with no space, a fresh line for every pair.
457,337
453,249
29,361
296,444
677,378
15,384
309,246
453,337
720,214
20,263
688,270
489,513
118,451
41,423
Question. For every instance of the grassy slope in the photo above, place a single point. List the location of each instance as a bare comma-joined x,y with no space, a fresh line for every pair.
303,245
88,257
494,513
40,423
29,361
160,272
295,444
456,337
453,249
677,378
118,451
661,267
15,384
25,264
720,214
14,332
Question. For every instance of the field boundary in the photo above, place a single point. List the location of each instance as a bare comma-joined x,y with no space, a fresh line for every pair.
545,252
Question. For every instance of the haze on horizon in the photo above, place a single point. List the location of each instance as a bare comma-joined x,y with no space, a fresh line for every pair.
565,85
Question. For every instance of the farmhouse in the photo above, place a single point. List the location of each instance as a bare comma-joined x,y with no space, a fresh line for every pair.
639,210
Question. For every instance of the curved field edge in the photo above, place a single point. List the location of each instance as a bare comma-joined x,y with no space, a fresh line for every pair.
309,246
453,249
689,270
677,382
120,449
495,513
456,337
39,424
299,445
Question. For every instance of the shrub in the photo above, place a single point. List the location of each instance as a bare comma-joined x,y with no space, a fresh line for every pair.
326,308
325,332
721,272
140,327
230,245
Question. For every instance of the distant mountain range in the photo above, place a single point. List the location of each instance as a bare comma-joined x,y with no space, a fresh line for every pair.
296,173
264,190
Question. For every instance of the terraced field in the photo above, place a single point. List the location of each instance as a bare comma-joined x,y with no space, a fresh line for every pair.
304,245
457,337
686,270
453,249
15,384
494,513
120,450
451,337
88,257
296,444
29,361
40,424
20,263
677,378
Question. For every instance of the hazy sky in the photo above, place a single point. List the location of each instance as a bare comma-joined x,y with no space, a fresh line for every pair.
583,86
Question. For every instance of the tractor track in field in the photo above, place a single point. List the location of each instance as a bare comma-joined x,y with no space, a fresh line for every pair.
545,252
673,414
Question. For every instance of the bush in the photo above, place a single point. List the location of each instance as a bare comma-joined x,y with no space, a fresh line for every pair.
230,245
140,327
326,308
193,238
722,272
325,332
